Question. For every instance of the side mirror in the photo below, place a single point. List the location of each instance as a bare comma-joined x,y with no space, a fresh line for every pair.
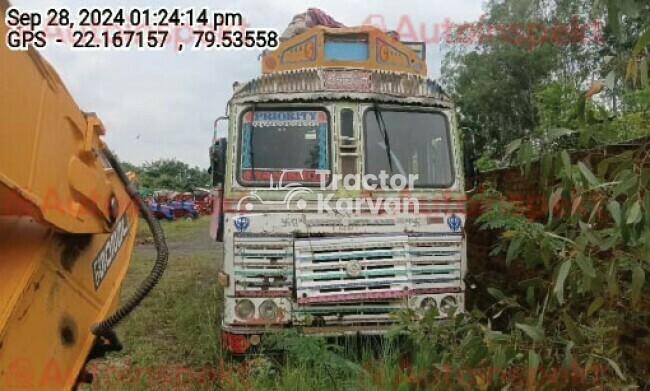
218,155
469,159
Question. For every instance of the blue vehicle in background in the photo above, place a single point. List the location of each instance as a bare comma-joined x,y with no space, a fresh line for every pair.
166,205
161,211
185,209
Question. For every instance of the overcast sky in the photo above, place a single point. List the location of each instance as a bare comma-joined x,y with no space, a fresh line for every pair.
162,104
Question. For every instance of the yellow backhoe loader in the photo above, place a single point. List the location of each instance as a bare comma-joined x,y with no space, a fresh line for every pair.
68,219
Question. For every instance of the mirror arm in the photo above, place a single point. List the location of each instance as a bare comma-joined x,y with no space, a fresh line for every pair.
472,160
216,123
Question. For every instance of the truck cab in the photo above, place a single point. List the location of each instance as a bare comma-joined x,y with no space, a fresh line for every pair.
339,192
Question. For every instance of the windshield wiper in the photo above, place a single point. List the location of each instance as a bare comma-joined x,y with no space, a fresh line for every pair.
384,132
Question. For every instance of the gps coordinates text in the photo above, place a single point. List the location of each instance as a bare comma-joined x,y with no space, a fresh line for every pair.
111,28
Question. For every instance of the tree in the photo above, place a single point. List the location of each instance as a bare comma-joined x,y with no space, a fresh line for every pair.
526,47
169,174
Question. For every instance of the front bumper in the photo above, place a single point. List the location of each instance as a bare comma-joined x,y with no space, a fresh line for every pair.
338,323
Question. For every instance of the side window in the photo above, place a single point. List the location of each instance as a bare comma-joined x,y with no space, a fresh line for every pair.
347,126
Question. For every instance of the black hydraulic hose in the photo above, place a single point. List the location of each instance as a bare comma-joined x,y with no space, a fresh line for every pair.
104,327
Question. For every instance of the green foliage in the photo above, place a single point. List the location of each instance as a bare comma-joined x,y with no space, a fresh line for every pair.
486,85
323,361
516,82
169,174
590,258
556,104
509,89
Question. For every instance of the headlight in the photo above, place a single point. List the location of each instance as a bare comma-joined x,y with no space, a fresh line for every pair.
268,310
244,309
447,303
428,303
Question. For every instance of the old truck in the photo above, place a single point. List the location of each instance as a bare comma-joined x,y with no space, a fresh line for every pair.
339,189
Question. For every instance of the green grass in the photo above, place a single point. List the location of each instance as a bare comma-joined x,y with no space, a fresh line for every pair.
177,325
183,312
178,231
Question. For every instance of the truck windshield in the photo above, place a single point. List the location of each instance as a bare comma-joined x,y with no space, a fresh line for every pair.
291,145
419,145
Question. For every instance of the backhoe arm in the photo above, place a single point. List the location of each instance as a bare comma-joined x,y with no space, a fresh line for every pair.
67,227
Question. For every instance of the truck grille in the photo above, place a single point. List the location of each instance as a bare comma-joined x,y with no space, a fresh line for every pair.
362,279
263,266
